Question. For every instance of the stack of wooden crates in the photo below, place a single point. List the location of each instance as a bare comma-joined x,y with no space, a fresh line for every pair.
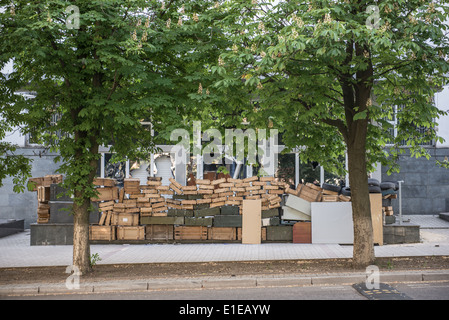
157,212
42,186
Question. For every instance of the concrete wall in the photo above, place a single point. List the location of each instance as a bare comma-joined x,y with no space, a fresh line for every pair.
442,102
24,205
426,185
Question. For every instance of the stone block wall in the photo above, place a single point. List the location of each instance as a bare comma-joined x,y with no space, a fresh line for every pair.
426,185
24,205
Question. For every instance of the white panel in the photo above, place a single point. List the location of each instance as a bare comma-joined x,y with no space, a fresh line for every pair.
292,214
332,222
442,103
298,204
163,166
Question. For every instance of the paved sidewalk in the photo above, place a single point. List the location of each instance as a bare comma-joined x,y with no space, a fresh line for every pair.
15,250
257,281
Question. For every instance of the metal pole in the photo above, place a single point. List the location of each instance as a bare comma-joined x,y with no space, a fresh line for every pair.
296,169
321,175
400,201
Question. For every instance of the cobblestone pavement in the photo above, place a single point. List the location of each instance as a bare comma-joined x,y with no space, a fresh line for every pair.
15,250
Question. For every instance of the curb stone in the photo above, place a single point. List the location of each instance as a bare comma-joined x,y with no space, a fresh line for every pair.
220,283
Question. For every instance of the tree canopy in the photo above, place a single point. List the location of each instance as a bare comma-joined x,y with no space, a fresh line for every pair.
306,62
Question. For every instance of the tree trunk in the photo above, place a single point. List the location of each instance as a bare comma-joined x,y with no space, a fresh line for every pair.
363,252
81,212
81,247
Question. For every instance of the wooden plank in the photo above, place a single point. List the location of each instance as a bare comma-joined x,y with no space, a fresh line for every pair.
249,179
220,199
217,204
251,221
329,198
268,179
203,182
183,202
343,198
188,192
175,183
146,211
202,201
276,191
329,192
154,183
175,188
377,217
216,182
226,185
102,218
108,219
302,232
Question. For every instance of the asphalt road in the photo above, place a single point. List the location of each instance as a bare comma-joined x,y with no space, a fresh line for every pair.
415,291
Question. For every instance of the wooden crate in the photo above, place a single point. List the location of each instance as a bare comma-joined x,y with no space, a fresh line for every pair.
190,233
217,233
106,194
159,232
263,234
130,233
43,194
107,182
125,219
52,178
343,198
388,211
34,183
309,193
329,198
102,232
302,232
